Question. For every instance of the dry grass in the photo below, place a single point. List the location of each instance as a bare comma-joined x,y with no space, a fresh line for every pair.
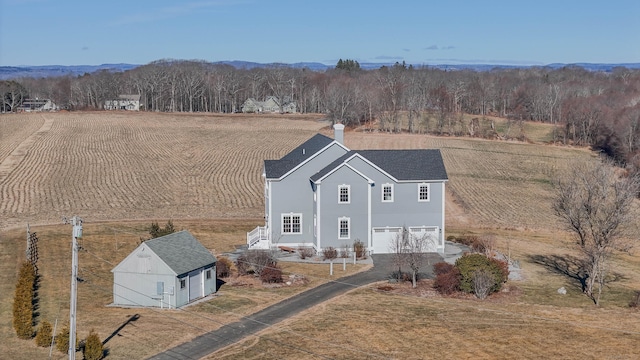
373,324
14,129
104,246
139,166
484,126
497,183
193,168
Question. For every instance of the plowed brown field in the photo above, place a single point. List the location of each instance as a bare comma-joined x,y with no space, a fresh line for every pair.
110,166
113,166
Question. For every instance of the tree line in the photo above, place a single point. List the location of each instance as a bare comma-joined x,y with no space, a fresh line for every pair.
600,109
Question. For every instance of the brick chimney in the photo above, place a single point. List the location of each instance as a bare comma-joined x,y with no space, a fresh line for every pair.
338,133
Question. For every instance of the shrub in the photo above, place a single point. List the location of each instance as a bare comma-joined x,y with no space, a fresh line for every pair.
442,268
305,252
447,282
330,253
254,261
481,244
223,267
271,274
259,259
345,251
242,264
44,334
469,263
359,249
503,266
483,281
23,301
62,340
156,231
92,347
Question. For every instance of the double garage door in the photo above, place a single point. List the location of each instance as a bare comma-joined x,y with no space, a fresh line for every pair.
382,237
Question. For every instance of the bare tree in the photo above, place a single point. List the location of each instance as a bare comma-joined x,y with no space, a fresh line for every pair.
596,204
410,250
13,93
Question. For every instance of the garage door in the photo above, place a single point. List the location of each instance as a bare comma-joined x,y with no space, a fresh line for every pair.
195,284
429,233
382,239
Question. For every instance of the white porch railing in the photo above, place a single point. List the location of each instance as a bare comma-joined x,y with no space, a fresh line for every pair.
258,238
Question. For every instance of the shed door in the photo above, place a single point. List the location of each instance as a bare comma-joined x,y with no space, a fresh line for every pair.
382,239
429,234
195,284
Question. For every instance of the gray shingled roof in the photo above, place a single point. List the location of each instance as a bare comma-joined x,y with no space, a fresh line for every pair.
181,252
276,168
407,165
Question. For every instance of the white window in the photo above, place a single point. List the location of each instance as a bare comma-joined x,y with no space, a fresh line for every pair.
292,223
423,192
344,193
387,193
344,228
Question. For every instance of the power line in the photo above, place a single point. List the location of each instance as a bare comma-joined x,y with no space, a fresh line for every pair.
246,317
474,306
199,315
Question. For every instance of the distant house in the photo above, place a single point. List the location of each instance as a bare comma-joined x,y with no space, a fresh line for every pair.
323,194
169,271
270,105
123,102
29,105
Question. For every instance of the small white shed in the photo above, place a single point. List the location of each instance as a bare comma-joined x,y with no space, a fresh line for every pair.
169,271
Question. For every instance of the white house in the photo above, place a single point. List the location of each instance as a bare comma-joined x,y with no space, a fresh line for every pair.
123,102
270,105
323,194
169,271
29,105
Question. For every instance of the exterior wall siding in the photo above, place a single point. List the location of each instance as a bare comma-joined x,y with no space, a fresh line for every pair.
135,289
210,285
405,210
331,210
294,194
136,279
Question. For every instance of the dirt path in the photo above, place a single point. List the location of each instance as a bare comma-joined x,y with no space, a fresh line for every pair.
17,155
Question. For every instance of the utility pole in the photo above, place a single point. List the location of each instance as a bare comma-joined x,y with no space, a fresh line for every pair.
76,222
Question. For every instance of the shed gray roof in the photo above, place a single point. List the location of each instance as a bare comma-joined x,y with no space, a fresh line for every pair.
407,165
276,168
181,252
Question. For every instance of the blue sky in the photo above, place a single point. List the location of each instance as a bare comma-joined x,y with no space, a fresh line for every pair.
93,32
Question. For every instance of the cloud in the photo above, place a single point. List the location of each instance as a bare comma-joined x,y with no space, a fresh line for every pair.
406,50
85,48
385,57
436,47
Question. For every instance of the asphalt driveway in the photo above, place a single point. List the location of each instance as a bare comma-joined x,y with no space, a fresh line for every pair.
212,341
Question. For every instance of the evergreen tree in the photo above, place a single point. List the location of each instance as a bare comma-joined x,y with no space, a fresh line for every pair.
44,334
23,301
93,349
62,340
156,231
348,65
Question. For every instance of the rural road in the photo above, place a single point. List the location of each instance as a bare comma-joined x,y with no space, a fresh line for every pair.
234,332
